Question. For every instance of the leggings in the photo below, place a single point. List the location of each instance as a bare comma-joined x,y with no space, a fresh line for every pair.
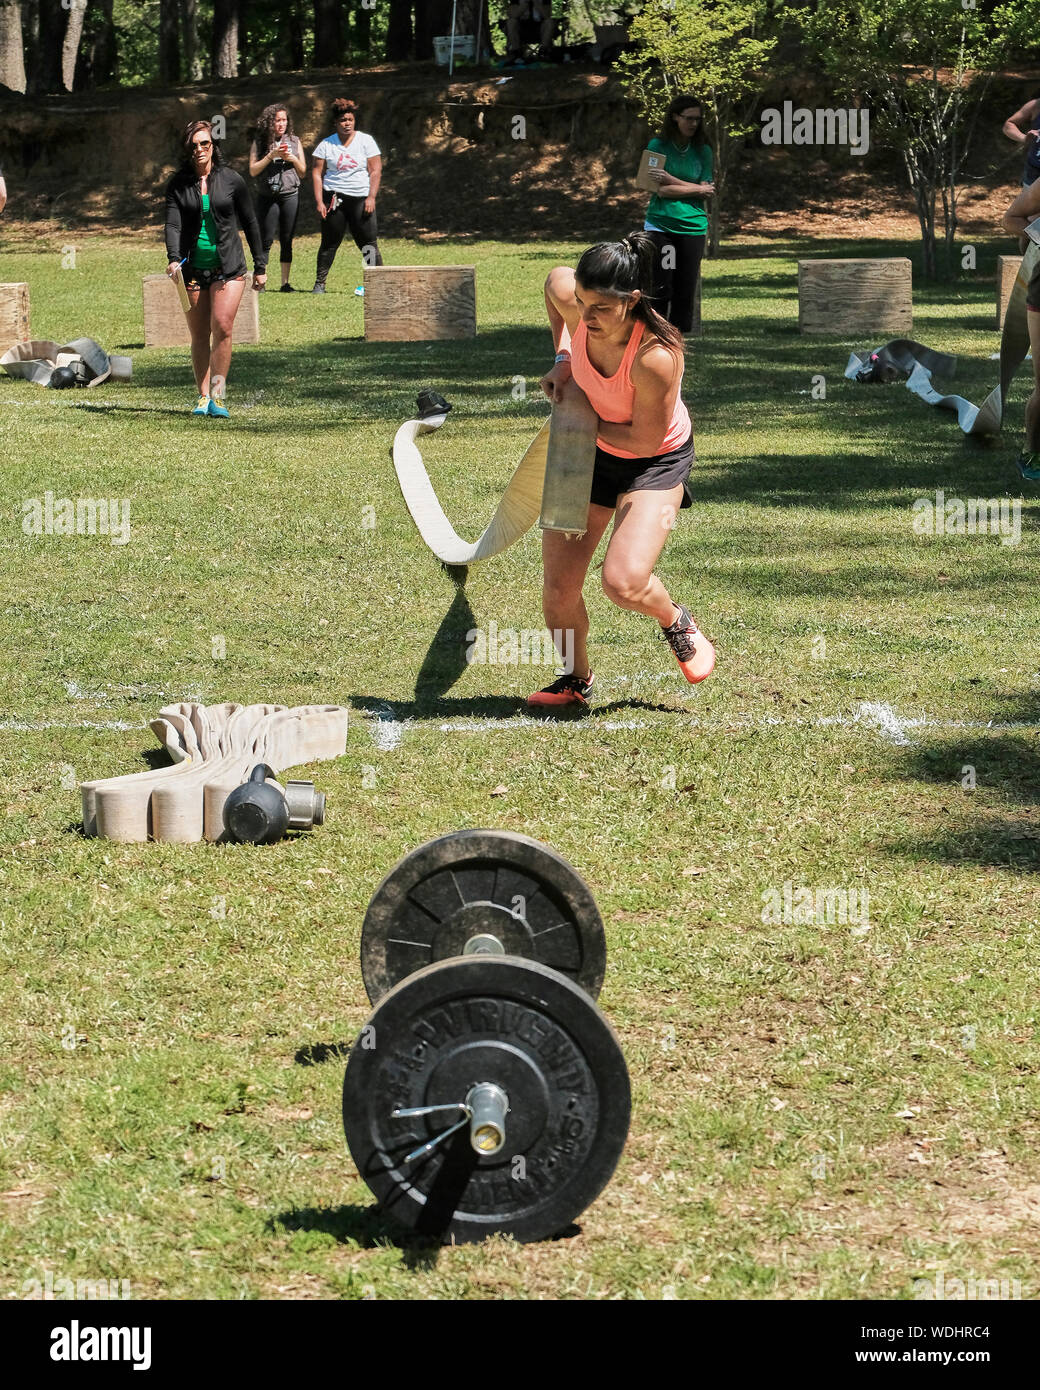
278,215
675,287
349,212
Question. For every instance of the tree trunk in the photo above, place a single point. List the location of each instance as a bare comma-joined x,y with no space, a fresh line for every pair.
431,18
328,38
99,59
360,30
12,58
295,27
70,43
45,64
399,32
190,40
169,42
224,50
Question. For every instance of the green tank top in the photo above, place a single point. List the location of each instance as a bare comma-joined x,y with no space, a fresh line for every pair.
206,256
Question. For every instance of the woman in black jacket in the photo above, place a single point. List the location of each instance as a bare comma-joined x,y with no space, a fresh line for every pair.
206,204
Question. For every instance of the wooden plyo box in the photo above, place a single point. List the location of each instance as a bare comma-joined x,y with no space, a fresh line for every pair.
14,315
166,326
845,297
413,303
1007,274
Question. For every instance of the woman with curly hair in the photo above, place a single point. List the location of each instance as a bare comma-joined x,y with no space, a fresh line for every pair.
206,205
277,164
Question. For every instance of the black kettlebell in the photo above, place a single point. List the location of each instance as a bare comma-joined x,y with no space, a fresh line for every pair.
257,813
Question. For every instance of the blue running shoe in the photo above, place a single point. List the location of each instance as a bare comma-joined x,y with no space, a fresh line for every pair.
1029,466
201,406
218,409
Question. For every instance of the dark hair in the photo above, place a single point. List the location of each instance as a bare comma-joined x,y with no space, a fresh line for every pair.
341,106
618,268
190,131
677,104
265,126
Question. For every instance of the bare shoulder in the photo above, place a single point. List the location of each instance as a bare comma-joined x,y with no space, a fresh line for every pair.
656,363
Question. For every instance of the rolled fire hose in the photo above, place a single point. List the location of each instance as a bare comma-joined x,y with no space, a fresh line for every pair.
214,747
919,362
551,485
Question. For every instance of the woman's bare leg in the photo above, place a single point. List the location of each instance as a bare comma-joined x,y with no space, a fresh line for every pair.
643,523
226,300
198,327
565,564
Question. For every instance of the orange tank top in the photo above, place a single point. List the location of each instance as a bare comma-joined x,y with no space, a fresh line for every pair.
612,397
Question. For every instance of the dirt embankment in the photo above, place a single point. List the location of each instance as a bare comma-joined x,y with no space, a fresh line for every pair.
539,153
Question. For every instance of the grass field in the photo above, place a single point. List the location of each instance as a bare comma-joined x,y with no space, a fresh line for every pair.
819,1111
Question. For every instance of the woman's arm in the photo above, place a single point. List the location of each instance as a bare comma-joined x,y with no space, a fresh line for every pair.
257,163
317,174
247,221
297,160
375,178
1017,127
655,377
671,187
561,306
173,225
3,193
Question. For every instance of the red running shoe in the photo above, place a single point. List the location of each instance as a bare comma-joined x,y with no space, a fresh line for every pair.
696,658
566,690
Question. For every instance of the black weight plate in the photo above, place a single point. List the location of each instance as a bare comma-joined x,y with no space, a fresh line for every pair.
482,882
523,1027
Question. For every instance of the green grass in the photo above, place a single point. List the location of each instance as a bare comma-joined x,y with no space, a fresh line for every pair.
818,1112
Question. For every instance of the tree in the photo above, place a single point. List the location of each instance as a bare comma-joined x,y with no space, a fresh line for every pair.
224,49
924,67
44,48
169,42
190,40
70,43
328,38
717,49
12,59
399,31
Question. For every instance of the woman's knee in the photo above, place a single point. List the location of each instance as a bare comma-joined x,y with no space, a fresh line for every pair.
624,584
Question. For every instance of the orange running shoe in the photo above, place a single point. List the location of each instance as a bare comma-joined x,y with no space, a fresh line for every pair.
696,658
566,690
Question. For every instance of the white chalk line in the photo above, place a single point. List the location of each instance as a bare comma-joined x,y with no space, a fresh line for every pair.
871,715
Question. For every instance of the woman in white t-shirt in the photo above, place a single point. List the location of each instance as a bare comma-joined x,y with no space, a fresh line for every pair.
347,171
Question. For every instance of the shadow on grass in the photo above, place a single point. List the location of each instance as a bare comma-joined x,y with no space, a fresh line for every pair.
367,1226
1005,766
491,707
314,1054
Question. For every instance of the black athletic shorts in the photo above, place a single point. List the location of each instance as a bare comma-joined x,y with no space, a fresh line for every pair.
196,279
612,475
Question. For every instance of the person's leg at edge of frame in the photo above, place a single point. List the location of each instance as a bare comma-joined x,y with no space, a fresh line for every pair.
565,564
1029,459
198,317
226,298
643,523
267,216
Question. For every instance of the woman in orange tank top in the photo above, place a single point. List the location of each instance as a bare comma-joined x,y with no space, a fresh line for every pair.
629,362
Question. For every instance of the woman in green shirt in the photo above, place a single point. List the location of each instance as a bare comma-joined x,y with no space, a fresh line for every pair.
675,216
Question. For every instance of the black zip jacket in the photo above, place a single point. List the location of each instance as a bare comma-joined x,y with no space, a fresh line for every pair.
232,208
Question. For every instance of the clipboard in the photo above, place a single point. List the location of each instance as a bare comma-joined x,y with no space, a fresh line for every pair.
650,159
182,292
